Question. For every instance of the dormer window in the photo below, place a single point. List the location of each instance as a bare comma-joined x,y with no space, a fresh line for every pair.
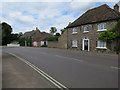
74,31
86,29
102,27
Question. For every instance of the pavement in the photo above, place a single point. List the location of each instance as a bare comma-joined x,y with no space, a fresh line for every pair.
17,74
72,69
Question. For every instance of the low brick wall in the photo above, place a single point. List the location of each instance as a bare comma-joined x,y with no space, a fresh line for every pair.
61,43
52,44
62,40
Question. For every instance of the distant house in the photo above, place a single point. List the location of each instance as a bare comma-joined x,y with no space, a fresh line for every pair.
83,33
38,38
40,41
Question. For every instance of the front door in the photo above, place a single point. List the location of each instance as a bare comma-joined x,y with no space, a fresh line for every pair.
85,44
44,42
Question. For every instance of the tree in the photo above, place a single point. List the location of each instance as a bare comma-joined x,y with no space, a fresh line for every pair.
22,41
20,34
57,34
6,33
53,30
69,23
62,31
27,39
14,37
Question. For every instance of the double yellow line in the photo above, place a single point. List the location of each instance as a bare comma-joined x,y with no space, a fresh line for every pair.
45,75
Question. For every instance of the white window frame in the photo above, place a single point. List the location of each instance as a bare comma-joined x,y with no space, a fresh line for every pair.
86,29
74,31
74,43
102,27
101,44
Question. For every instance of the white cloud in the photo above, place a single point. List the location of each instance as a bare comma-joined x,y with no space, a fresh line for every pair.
18,16
76,5
25,16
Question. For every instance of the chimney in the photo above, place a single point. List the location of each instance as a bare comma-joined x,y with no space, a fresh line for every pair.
116,7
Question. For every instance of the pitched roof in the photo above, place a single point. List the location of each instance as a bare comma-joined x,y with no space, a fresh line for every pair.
43,37
36,35
98,14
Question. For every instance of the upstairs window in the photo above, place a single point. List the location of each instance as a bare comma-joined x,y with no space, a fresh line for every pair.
74,43
101,44
86,29
102,27
74,31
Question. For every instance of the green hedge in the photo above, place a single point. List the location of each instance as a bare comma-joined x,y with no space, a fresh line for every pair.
52,38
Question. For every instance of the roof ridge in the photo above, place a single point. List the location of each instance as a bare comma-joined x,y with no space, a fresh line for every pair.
97,14
90,10
98,7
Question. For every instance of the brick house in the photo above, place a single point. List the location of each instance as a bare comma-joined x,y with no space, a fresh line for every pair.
83,33
38,38
40,41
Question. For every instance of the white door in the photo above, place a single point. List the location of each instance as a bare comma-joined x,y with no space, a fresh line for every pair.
85,44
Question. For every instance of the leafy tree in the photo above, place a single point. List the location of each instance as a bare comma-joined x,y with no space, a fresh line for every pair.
20,34
28,41
69,23
14,37
53,30
62,31
57,34
22,41
6,33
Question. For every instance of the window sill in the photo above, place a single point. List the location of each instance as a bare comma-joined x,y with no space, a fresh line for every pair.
85,31
101,47
74,47
75,33
102,30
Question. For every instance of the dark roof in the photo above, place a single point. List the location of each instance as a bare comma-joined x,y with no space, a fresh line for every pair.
31,33
36,35
98,14
43,37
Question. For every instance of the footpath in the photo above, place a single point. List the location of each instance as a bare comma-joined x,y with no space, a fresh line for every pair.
17,74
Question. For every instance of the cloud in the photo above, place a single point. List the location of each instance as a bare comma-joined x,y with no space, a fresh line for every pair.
25,16
22,18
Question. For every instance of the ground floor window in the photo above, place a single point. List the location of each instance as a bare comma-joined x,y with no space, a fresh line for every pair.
74,43
101,44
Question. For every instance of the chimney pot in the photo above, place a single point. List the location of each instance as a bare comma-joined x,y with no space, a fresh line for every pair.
116,7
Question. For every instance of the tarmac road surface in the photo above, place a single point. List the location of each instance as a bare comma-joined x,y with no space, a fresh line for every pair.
73,69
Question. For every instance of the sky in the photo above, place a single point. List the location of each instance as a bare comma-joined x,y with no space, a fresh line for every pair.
26,15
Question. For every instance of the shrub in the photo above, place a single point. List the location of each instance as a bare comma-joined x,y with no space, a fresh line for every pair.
52,38
44,46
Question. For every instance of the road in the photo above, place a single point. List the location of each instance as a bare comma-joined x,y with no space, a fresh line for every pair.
17,74
73,69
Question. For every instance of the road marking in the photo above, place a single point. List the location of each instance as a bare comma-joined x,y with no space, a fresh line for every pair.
114,67
45,75
69,58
